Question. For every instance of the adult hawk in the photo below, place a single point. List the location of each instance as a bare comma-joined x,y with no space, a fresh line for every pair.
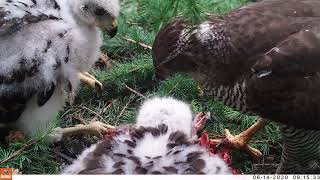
260,59
46,47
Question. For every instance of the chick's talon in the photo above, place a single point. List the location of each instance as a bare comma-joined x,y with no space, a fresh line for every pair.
90,81
94,128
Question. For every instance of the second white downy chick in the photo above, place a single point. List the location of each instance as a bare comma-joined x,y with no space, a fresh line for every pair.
159,143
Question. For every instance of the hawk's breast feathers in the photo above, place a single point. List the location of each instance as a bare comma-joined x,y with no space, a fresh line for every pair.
263,55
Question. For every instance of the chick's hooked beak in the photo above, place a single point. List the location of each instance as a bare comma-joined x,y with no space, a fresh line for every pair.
112,29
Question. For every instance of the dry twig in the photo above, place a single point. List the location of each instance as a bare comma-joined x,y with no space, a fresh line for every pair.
134,91
60,154
92,111
102,111
145,46
18,152
124,108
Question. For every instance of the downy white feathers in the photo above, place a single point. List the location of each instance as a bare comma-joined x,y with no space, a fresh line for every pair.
44,45
162,145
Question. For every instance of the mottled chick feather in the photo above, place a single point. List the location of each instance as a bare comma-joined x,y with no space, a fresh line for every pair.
44,45
159,146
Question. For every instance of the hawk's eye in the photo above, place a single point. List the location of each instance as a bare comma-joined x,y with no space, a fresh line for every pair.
100,12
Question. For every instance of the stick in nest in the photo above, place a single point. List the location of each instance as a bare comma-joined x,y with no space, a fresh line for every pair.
139,43
134,91
18,152
123,109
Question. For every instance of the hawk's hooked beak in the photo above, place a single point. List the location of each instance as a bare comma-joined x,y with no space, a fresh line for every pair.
112,29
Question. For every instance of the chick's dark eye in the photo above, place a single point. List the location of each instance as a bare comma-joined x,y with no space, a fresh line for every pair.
100,12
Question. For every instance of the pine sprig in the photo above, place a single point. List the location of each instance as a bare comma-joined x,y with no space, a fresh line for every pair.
153,14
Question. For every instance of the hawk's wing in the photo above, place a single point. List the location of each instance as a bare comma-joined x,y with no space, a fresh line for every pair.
298,55
16,14
286,81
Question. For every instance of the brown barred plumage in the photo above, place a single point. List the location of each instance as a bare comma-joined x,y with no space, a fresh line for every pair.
260,59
